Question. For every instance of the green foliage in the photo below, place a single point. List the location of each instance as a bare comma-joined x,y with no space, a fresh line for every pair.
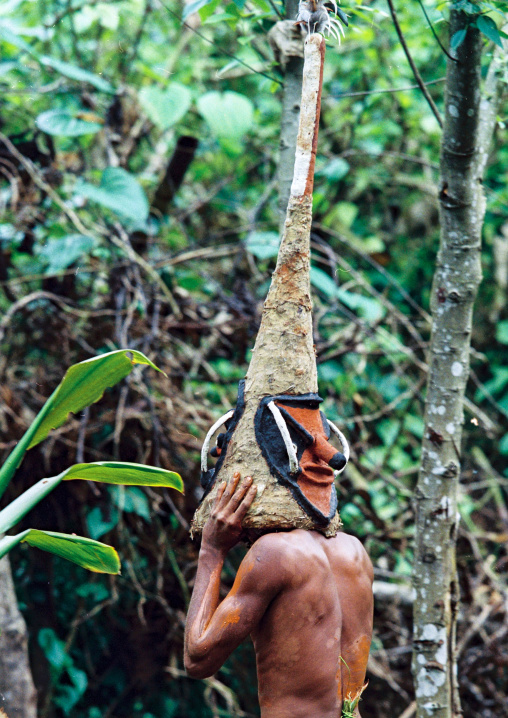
374,245
67,694
229,115
82,385
62,123
165,107
124,473
263,245
85,552
118,191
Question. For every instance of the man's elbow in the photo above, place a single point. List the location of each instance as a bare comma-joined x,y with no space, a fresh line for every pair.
197,667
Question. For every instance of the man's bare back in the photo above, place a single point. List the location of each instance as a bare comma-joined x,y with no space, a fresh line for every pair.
305,600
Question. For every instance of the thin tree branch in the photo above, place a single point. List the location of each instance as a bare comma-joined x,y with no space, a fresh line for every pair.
443,48
388,89
221,52
417,75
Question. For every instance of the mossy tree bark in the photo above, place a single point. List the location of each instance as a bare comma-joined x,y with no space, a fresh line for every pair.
468,128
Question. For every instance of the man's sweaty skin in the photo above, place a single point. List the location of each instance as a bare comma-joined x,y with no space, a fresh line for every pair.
306,601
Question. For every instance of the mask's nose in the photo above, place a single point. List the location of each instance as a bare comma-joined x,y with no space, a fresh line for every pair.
328,453
338,461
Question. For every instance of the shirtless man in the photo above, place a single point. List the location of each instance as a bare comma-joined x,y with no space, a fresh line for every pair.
305,600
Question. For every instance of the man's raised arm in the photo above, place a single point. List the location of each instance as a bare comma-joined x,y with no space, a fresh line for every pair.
214,629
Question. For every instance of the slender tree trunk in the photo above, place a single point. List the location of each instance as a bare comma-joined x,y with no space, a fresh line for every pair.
289,120
17,692
468,128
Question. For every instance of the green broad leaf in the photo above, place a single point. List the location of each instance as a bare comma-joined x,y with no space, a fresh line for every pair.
131,499
229,115
367,307
120,192
113,472
322,281
85,552
62,123
54,649
84,384
194,7
165,107
458,38
334,170
67,696
106,15
502,332
62,252
263,245
98,525
120,472
503,445
488,27
95,591
74,72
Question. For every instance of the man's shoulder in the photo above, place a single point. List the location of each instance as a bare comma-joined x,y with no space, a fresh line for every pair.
290,550
280,542
349,552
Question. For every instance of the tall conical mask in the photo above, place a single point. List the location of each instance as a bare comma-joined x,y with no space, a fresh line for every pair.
277,434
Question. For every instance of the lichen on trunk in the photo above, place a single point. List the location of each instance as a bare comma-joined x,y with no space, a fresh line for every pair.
458,274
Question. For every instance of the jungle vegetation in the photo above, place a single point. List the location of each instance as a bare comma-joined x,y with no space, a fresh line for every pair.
139,209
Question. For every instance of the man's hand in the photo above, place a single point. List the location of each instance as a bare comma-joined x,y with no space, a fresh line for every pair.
224,527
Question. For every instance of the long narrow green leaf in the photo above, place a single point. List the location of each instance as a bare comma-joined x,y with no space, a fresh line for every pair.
82,385
120,472
85,552
106,472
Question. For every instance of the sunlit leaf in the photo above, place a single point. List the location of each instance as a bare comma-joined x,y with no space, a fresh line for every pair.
229,115
263,245
121,472
106,472
119,191
84,384
61,252
63,123
165,107
74,72
85,552
488,27
193,7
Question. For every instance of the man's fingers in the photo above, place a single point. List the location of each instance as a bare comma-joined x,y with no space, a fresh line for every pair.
230,488
246,502
240,492
220,491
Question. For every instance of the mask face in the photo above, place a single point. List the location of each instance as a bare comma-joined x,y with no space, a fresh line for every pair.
293,435
310,476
